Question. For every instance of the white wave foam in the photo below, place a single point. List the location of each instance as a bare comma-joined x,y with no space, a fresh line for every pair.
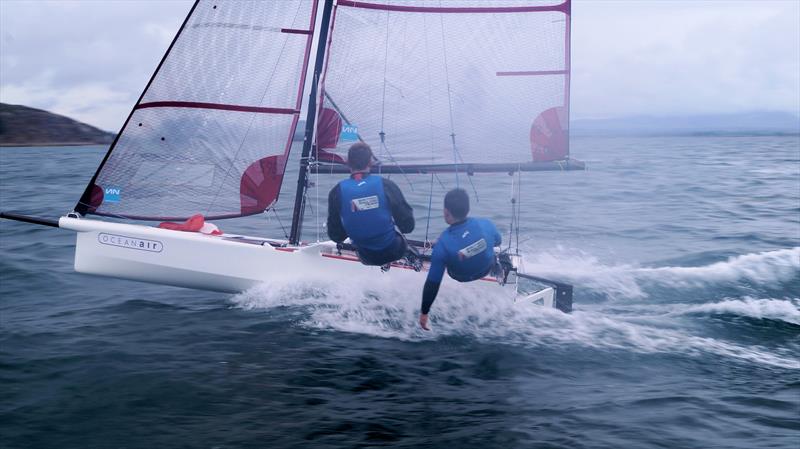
585,270
763,268
389,310
628,281
787,310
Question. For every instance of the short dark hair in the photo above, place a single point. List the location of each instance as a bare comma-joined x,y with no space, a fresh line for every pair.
359,156
457,202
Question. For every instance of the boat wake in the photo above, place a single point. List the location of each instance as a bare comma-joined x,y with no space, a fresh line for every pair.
784,310
632,282
389,310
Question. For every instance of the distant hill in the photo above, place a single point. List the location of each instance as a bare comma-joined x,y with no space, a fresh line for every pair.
746,123
24,126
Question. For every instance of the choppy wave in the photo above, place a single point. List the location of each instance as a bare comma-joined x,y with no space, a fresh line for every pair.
786,310
390,311
629,281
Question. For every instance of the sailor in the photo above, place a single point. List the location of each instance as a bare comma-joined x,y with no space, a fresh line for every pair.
465,249
366,208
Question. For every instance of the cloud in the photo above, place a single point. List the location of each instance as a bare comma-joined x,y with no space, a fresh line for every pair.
86,59
93,58
678,57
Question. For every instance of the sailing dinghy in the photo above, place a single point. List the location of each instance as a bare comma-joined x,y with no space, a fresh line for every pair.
441,90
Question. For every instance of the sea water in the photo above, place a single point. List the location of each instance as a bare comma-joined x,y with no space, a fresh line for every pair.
685,257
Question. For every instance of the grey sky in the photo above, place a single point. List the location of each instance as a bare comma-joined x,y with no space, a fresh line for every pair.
90,59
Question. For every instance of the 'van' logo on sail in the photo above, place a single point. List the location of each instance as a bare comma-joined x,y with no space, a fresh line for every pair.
112,194
349,133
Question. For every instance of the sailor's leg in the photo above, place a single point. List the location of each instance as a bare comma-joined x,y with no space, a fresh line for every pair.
384,257
411,255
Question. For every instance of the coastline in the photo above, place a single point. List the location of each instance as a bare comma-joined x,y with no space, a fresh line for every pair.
52,144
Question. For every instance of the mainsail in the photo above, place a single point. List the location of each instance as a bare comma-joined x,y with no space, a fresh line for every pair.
211,132
448,86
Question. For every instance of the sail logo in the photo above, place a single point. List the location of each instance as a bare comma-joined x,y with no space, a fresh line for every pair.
123,241
112,194
349,133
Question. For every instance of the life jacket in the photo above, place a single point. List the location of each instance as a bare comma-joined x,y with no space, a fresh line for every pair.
470,249
366,214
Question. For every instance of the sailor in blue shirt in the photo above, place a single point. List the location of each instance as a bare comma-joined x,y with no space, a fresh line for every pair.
367,208
465,249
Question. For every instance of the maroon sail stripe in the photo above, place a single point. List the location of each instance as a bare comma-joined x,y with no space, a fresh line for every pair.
295,31
222,107
533,73
563,7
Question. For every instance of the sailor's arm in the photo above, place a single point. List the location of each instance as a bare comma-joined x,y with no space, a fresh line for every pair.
336,231
402,212
431,288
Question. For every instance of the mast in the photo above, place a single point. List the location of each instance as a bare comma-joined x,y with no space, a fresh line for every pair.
302,177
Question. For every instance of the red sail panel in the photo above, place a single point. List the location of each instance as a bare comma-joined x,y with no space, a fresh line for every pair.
213,129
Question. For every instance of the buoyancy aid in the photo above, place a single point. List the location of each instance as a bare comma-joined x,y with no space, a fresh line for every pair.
366,214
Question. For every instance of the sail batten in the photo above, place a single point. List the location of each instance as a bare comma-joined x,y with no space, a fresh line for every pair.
219,106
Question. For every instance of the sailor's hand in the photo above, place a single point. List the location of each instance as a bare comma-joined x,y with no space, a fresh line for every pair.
423,321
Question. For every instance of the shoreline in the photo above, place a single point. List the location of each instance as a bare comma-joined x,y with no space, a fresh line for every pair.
53,144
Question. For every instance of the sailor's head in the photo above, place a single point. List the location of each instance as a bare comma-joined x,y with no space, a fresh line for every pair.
359,157
456,206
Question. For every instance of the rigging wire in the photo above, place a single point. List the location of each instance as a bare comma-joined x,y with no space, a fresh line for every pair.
516,210
439,180
382,132
391,158
430,127
449,97
430,212
316,189
519,203
308,161
511,225
285,234
314,162
456,154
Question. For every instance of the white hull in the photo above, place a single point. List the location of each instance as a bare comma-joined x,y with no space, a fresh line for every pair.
231,263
